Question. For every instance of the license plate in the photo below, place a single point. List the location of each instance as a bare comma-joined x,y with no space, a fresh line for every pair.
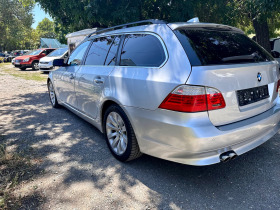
252,95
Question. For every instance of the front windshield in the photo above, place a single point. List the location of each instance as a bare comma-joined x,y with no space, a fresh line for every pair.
58,52
34,52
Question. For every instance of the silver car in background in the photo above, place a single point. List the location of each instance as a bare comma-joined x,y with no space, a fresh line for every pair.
190,92
46,63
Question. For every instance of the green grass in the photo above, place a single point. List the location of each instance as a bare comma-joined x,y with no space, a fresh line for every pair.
27,75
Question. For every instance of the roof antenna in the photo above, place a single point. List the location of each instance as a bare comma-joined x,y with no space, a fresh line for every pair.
193,20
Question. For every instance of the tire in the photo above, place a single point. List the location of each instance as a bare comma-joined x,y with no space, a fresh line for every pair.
52,95
35,65
115,130
23,68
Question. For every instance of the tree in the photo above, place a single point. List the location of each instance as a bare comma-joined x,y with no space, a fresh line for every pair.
45,29
259,12
76,15
14,20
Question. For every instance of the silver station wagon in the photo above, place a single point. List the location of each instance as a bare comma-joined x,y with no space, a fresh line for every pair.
194,93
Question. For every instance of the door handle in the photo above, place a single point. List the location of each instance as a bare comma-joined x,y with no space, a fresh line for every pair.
98,80
71,76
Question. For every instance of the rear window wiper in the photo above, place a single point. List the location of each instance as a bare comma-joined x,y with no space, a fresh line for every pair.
253,56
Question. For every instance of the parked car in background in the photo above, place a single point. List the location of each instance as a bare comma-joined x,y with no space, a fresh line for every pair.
14,54
46,63
2,57
275,48
31,59
189,92
6,59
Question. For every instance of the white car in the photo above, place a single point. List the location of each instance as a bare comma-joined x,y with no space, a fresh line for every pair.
46,63
275,47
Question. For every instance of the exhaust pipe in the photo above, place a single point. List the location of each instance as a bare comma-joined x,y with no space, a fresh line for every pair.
226,156
232,155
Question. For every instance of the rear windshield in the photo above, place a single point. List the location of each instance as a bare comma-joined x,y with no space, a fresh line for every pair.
216,47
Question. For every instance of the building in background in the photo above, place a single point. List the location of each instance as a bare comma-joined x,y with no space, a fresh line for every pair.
75,38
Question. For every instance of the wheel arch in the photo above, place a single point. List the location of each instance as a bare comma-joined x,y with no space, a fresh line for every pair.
106,104
34,61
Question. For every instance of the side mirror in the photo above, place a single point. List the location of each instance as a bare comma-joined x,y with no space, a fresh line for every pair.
43,54
275,54
59,62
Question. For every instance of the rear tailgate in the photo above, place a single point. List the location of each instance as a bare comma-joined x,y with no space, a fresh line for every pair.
234,82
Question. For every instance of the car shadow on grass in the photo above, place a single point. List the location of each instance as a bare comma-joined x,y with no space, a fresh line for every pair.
78,152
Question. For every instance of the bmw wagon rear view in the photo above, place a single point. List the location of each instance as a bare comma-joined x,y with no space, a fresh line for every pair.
193,93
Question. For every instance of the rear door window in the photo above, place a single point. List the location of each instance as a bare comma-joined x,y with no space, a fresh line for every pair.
142,50
209,46
99,50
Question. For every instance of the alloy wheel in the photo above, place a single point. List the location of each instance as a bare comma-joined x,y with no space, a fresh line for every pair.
52,93
116,133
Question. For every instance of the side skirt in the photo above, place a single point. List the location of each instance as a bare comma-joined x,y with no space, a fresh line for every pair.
83,116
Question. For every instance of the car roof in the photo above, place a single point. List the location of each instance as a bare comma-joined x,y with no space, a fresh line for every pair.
158,23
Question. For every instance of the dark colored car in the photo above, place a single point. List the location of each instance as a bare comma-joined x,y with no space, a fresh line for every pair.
31,59
13,55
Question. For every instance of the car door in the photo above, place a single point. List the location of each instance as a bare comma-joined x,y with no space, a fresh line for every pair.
65,85
92,77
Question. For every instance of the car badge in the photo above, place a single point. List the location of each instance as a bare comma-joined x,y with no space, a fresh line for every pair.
259,77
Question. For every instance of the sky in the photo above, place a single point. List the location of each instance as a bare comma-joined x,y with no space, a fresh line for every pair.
39,15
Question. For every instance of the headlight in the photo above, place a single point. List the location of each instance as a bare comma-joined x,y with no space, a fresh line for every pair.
51,63
26,59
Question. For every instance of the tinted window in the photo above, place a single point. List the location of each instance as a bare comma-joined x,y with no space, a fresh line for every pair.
211,47
98,51
77,56
47,51
111,57
142,50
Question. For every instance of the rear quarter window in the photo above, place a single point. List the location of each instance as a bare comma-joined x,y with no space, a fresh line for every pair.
206,46
142,50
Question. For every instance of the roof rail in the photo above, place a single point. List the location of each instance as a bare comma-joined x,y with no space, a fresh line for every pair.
151,21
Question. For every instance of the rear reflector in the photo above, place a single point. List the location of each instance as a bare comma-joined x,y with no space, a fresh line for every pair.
187,98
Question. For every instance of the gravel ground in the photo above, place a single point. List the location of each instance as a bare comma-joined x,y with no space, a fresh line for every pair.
80,172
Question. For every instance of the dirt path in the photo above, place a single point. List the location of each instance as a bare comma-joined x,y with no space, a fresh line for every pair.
77,170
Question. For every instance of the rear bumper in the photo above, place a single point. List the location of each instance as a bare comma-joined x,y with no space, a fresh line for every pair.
190,138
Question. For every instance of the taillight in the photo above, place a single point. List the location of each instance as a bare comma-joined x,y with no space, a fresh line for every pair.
187,98
278,85
215,99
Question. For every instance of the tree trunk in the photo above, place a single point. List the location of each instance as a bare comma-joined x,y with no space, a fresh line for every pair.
262,33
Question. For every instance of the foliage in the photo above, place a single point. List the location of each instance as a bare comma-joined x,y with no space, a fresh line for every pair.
45,29
14,20
254,16
61,31
261,13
